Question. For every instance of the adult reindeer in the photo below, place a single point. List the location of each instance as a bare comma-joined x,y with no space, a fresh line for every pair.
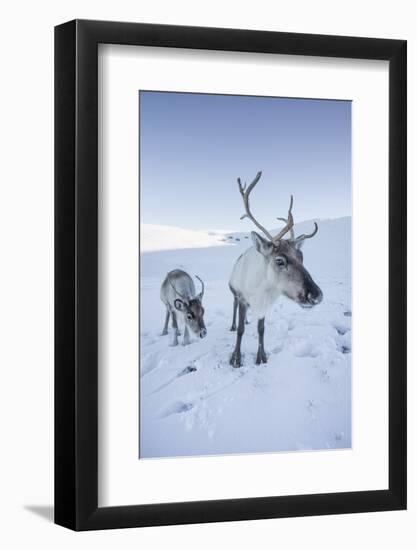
273,266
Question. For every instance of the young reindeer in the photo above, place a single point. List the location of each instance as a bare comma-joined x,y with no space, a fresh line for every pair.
270,268
179,296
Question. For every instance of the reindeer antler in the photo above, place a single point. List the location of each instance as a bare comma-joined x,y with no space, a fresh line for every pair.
245,192
245,196
304,236
289,226
289,220
202,287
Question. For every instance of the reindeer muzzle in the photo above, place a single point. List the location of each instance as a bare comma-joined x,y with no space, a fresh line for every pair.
314,298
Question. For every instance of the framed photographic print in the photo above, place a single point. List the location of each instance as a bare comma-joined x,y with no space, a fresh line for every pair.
230,337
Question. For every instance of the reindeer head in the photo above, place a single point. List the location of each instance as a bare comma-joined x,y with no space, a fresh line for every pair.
192,310
283,257
285,269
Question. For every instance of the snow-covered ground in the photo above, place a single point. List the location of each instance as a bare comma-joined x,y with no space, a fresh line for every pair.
192,402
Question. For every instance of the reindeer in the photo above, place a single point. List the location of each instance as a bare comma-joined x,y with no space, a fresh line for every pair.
179,295
273,266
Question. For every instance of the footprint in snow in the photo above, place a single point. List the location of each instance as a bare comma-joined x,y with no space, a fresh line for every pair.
343,343
313,408
324,374
341,328
187,370
176,408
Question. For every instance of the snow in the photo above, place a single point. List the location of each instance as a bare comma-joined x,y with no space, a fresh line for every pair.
192,402
164,237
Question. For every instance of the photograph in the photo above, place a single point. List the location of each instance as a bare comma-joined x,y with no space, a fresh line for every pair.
245,274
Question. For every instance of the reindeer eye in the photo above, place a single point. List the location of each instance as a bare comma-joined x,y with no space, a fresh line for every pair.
281,261
189,316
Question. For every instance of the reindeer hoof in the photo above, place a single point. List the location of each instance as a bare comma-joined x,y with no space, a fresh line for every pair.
233,328
236,360
164,333
261,357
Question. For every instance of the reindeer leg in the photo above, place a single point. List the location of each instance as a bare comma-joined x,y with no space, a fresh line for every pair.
235,304
236,359
176,331
165,329
186,338
261,356
174,323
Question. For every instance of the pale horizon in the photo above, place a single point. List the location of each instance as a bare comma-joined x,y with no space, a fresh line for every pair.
248,229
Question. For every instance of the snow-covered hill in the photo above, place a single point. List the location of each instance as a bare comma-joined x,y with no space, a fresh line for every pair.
164,237
194,403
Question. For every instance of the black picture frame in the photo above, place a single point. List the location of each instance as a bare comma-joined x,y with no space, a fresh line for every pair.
76,272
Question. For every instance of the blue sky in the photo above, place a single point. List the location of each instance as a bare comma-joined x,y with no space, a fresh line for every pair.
194,146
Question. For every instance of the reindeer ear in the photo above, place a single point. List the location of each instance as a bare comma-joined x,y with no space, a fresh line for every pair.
179,304
262,245
299,245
